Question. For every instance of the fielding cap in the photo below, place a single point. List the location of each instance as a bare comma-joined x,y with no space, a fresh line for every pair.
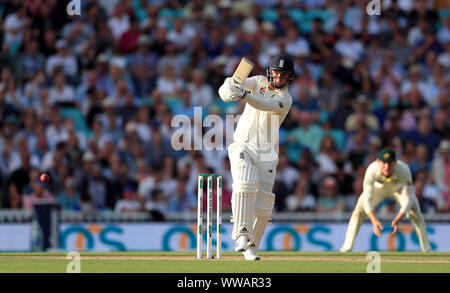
386,155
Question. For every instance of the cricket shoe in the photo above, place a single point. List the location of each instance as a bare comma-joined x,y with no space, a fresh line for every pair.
241,244
250,253
345,249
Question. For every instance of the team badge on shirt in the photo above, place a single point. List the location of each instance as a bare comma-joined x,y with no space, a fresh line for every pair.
262,90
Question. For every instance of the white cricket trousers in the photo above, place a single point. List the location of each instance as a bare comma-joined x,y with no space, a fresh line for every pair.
414,215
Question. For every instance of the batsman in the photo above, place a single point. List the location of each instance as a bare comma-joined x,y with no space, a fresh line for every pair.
387,177
253,154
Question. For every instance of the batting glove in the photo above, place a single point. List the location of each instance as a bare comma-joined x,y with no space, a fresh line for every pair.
235,81
238,92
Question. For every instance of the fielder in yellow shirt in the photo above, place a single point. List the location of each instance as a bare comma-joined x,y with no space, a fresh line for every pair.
387,177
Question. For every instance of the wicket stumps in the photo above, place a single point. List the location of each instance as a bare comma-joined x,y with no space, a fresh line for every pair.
209,208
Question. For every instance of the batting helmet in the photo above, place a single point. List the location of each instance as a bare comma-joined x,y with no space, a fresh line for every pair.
282,64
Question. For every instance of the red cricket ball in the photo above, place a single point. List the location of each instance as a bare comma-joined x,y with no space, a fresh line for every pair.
45,178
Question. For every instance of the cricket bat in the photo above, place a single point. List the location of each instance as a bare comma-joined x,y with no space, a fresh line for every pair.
242,71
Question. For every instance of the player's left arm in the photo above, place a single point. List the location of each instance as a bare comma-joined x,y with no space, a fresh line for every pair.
406,196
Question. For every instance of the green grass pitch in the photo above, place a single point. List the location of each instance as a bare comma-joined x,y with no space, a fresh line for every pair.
185,262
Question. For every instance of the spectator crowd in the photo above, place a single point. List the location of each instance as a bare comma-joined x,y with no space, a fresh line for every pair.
89,99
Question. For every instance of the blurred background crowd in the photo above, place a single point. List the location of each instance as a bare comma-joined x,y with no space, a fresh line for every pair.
89,99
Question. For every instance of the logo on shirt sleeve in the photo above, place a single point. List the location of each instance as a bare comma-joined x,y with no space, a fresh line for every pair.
262,90
280,104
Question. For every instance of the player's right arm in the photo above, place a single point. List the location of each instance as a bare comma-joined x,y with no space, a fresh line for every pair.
278,103
407,194
376,224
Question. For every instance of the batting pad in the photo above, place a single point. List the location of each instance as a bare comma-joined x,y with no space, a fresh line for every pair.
245,178
263,210
245,182
243,214
264,203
